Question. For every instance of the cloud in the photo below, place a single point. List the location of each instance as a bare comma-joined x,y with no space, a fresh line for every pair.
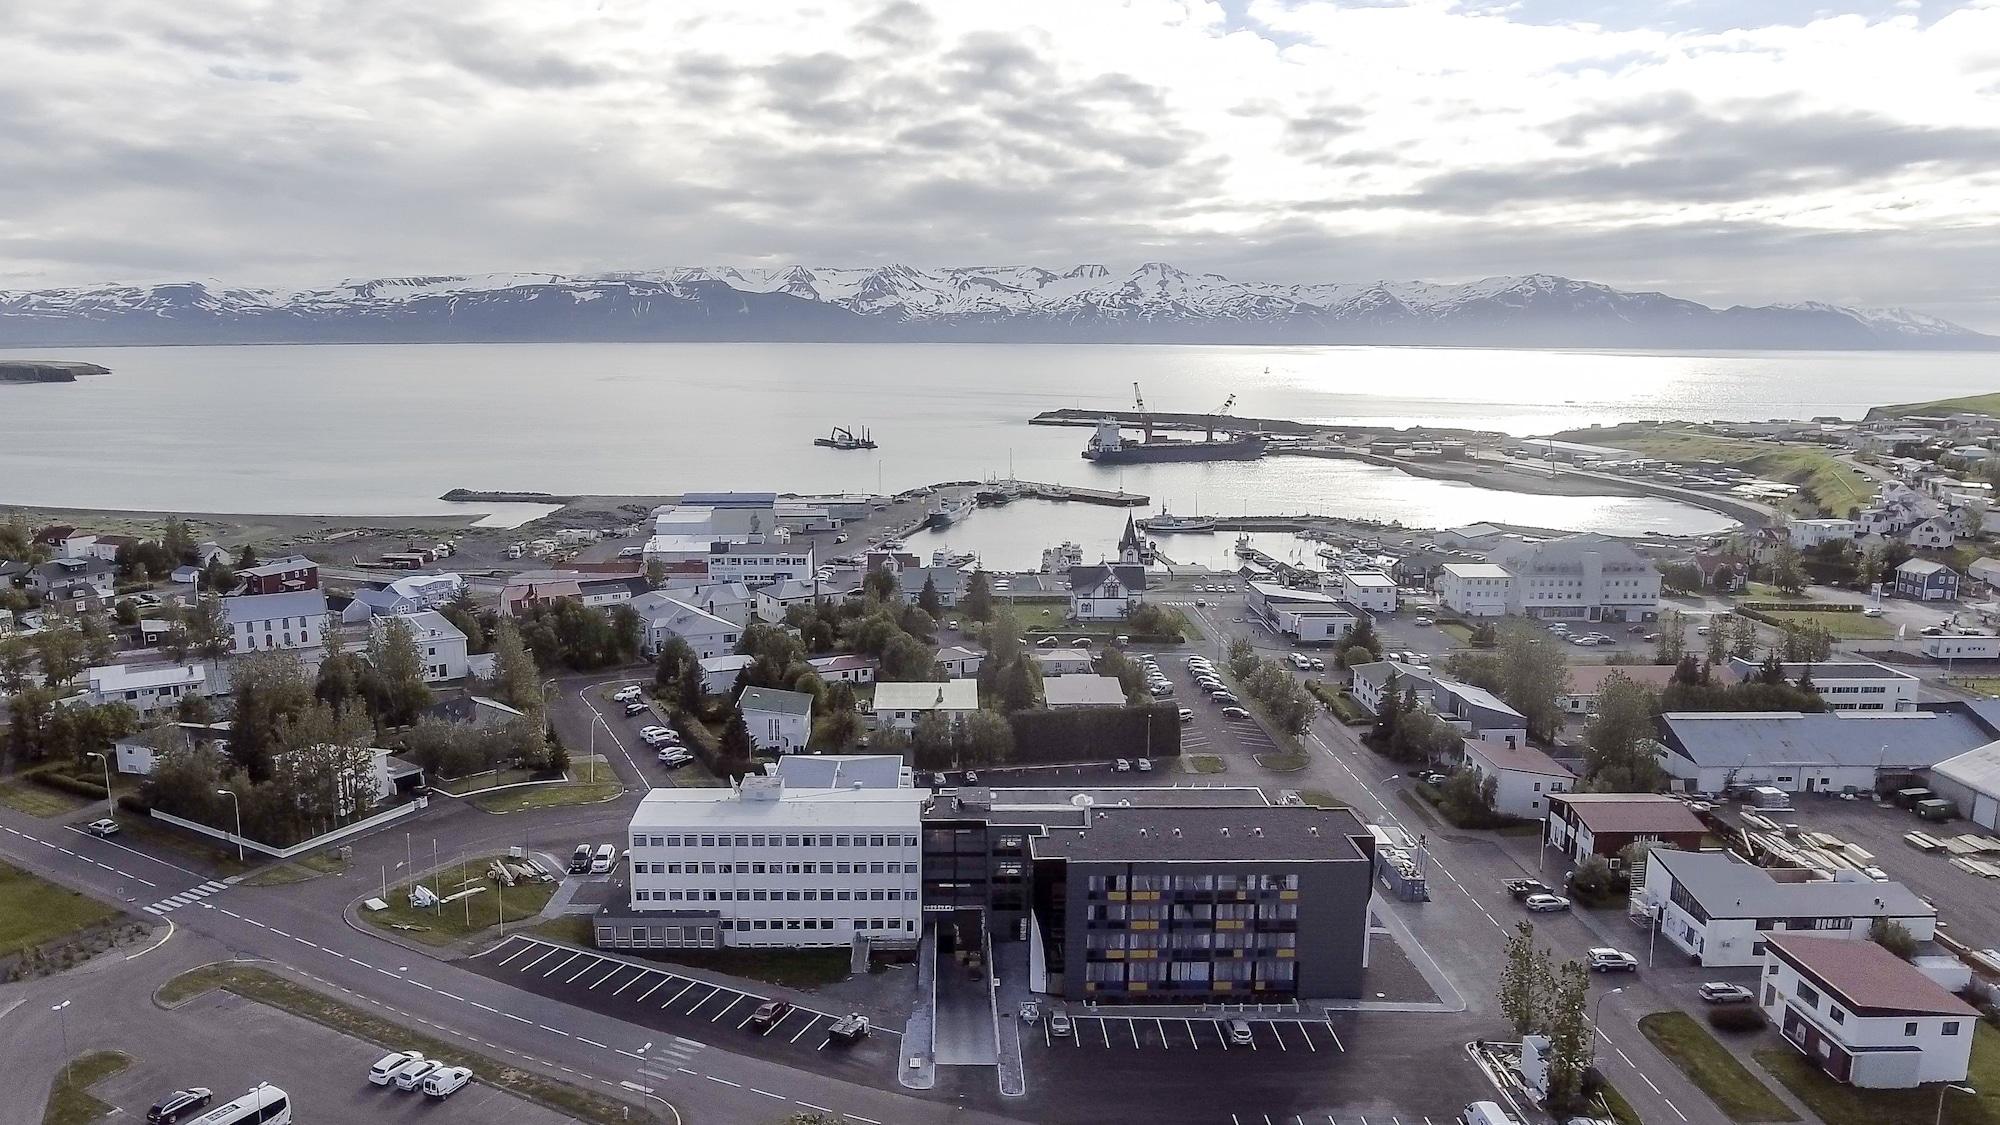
1838,149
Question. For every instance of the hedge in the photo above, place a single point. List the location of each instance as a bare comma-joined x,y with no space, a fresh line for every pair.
1343,706
54,780
703,743
1800,607
1095,734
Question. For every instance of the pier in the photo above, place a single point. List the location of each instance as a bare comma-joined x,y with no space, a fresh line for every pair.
1112,498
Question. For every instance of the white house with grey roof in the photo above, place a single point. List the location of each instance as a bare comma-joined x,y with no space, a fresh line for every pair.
1083,690
440,644
265,622
779,721
900,704
146,689
1707,752
664,617
1719,910
1474,589
1371,681
1846,685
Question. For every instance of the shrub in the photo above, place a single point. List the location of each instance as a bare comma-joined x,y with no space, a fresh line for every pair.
64,782
135,804
1736,1017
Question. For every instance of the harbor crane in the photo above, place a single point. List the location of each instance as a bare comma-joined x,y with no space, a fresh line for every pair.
1227,404
1145,419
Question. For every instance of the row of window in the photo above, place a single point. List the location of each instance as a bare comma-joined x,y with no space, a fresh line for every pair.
1271,971
1190,912
649,867
899,925
1190,939
774,896
758,840
1192,882
1809,995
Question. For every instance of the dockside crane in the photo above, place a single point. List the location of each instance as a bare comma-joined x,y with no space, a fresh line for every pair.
1227,405
1145,419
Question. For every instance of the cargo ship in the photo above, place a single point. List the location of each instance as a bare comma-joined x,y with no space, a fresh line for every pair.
1109,446
947,510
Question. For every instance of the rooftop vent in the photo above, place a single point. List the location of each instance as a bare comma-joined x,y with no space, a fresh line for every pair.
1177,833
1225,831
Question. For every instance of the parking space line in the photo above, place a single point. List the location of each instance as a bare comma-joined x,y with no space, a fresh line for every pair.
615,970
1336,1037
526,947
1105,1031
725,1008
1307,1032
806,1028
545,956
1133,1027
1279,1034
578,975
713,992
669,1001
1220,1037
636,978
665,979
1192,1041
561,963
1161,1026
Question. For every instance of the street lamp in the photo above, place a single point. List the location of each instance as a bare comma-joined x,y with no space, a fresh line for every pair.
597,720
1596,1011
1942,1091
110,805
63,1015
238,806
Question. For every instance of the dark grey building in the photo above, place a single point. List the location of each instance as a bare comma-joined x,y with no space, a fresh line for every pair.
1157,895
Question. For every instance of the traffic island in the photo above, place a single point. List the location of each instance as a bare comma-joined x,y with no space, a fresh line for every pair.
70,1101
469,902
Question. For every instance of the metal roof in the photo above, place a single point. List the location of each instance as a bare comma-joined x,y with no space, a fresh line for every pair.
1977,769
1834,738
1868,978
775,701
1726,888
267,607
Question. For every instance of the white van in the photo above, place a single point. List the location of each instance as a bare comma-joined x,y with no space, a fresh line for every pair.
606,856
1486,1113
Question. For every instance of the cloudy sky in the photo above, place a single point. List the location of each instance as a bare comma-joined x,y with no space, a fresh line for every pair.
1846,150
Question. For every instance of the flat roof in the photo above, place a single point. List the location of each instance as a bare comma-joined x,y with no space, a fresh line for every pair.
1083,690
1770,739
841,771
1728,889
1278,833
704,808
1476,570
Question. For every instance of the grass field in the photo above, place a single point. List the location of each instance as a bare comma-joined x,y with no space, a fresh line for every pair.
33,911
1709,1065
1978,685
1829,482
1322,799
70,1101
269,988
1851,626
1289,762
1837,1103
1969,404
570,928
551,796
37,800
298,871
447,924
1204,763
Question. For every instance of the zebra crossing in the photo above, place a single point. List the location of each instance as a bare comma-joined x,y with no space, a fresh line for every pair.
192,894
668,1059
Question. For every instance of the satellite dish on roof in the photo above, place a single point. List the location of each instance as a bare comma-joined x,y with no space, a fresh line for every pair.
1082,800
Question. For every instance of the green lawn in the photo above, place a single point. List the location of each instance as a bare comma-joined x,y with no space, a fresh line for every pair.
446,924
70,1101
1837,1103
1969,404
33,911
1709,1065
1846,625
1617,1107
1977,685
39,800
550,796
1826,480
298,871
572,928
1322,799
278,992
219,855
790,968
1204,763
1460,633
1288,762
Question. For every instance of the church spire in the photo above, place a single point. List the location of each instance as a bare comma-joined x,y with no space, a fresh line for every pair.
1131,551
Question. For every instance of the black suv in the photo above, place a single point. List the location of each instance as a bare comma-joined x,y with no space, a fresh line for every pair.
177,1105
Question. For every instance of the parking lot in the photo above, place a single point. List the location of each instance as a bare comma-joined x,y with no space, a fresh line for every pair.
1210,732
693,1012
1190,1033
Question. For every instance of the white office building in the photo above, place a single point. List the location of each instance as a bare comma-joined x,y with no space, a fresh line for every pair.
1720,911
262,622
1581,578
1371,590
1305,617
1475,589
767,864
1864,1015
1846,685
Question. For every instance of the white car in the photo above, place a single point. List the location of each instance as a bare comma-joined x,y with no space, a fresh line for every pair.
1607,960
626,694
385,1069
1422,621
445,1082
674,757
412,1075
102,828
658,736
1872,611
1543,904
1721,992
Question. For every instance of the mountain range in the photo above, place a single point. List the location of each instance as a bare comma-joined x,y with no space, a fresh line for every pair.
1156,303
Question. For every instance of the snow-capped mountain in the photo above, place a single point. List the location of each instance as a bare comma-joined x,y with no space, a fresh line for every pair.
1087,303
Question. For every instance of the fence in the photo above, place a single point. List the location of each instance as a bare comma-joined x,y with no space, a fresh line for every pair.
301,848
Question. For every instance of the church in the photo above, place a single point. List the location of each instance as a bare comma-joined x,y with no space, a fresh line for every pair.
1109,591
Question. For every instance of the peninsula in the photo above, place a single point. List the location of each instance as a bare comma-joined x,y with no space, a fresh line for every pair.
46,370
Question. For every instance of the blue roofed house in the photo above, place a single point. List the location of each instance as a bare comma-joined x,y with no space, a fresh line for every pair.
1926,580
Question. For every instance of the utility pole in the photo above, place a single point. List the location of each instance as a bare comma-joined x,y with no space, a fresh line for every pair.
62,1014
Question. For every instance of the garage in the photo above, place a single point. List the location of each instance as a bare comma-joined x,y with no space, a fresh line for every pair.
1972,781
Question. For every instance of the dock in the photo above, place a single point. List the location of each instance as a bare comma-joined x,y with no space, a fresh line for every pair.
1118,498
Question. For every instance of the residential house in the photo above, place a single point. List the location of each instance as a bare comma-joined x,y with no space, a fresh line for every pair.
779,721
610,591
1864,1015
1062,693
847,667
1305,617
67,579
734,602
1586,683
1926,580
1585,577
1371,590
957,661
773,600
1807,534
1524,778
147,689
135,754
900,705
440,644
1106,592
478,711
405,595
665,617
104,548
1371,680
260,622
718,673
280,576
1581,825
1475,589
530,589
1985,570
1828,752
1721,911
1064,661
948,581
1846,685
1477,713
1934,533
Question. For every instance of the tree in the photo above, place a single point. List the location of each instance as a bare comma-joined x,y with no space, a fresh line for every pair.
61,648
1533,676
1680,578
516,680
1742,636
737,752
977,601
1467,799
1363,636
126,613
338,684
1672,644
204,628
400,691
929,601
17,537
1894,937
1389,712
1786,573
880,584
656,572
837,726
1718,640
1620,755
1569,1033
1521,980
1868,570
246,558
677,674
177,540
271,691
17,663
1242,657
989,740
1975,522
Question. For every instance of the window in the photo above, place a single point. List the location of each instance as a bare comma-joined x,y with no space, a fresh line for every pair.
1910,1029
1810,995
1951,1027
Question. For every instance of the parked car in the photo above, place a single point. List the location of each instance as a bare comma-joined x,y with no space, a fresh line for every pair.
1143,765
178,1104
1544,904
1047,642
412,1075
1422,621
673,757
658,736
1522,888
1318,665
1224,695
579,860
1060,1025
1161,690
636,707
1722,992
445,1082
1235,713
627,694
972,777
1121,766
849,1028
1239,1033
388,1066
1604,959
1872,611
939,779
605,856
105,827
1300,661
769,1013
1187,715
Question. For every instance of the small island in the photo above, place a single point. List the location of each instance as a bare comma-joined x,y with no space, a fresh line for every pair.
46,370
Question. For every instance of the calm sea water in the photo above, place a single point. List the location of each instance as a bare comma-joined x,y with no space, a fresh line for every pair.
383,430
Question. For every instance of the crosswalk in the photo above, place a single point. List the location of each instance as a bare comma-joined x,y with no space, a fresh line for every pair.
192,894
663,1059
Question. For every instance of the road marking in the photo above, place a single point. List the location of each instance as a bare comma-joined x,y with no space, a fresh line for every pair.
545,956
1675,1108
583,970
526,947
863,1120
725,1008
594,1043
809,1105
517,1019
615,970
808,1027
1133,1027
677,995
557,1030
768,1094
561,963
641,998
724,1081
1161,1027
636,978
712,994
1626,1057
1310,1045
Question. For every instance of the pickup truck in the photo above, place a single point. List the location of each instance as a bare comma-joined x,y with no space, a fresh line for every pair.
849,1029
1522,888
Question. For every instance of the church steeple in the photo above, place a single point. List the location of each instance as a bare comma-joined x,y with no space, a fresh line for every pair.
1131,551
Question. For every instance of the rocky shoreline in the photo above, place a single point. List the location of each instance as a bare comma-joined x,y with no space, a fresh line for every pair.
46,370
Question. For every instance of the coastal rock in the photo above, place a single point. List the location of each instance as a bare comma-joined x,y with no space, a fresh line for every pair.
46,370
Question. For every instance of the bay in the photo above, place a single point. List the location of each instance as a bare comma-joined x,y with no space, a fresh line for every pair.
384,429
